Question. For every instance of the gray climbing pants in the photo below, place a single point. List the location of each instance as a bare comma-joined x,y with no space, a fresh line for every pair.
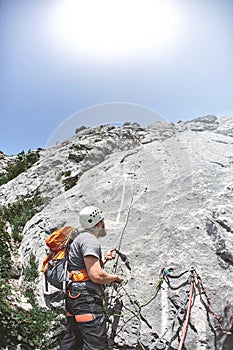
86,324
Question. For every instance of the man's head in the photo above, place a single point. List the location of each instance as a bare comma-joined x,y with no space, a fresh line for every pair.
92,218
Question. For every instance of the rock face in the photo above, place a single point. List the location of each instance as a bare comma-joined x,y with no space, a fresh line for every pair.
167,195
5,161
68,160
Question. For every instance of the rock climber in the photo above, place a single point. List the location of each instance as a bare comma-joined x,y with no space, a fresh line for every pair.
86,324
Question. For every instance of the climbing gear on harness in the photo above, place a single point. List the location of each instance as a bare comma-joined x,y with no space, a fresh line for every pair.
75,291
74,295
90,216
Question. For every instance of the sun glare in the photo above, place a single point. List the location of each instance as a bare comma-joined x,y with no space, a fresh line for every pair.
114,28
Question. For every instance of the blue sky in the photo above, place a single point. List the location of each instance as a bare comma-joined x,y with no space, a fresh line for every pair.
59,57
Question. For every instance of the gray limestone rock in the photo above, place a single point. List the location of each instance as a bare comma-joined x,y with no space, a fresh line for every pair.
167,194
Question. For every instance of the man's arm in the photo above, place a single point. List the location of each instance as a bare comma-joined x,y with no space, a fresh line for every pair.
96,273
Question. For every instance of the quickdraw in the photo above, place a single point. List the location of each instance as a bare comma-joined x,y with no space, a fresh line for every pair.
124,259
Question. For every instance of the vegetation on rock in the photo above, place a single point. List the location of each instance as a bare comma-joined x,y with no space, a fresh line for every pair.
70,182
18,213
19,325
23,162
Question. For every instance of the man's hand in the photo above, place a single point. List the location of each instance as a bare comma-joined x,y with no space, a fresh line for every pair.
118,279
97,274
110,255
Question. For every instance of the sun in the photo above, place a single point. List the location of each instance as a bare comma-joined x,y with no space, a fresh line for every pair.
109,29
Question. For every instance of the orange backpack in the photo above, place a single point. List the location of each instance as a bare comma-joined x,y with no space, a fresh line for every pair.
55,264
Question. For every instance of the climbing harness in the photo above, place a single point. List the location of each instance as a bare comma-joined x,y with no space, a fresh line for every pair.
82,318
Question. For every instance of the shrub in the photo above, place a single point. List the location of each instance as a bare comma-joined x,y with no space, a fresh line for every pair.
18,213
23,162
70,182
17,325
66,173
27,327
5,257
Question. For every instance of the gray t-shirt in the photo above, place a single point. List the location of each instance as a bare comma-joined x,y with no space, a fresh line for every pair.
83,245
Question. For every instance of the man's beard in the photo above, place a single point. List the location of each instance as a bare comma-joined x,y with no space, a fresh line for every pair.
102,232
